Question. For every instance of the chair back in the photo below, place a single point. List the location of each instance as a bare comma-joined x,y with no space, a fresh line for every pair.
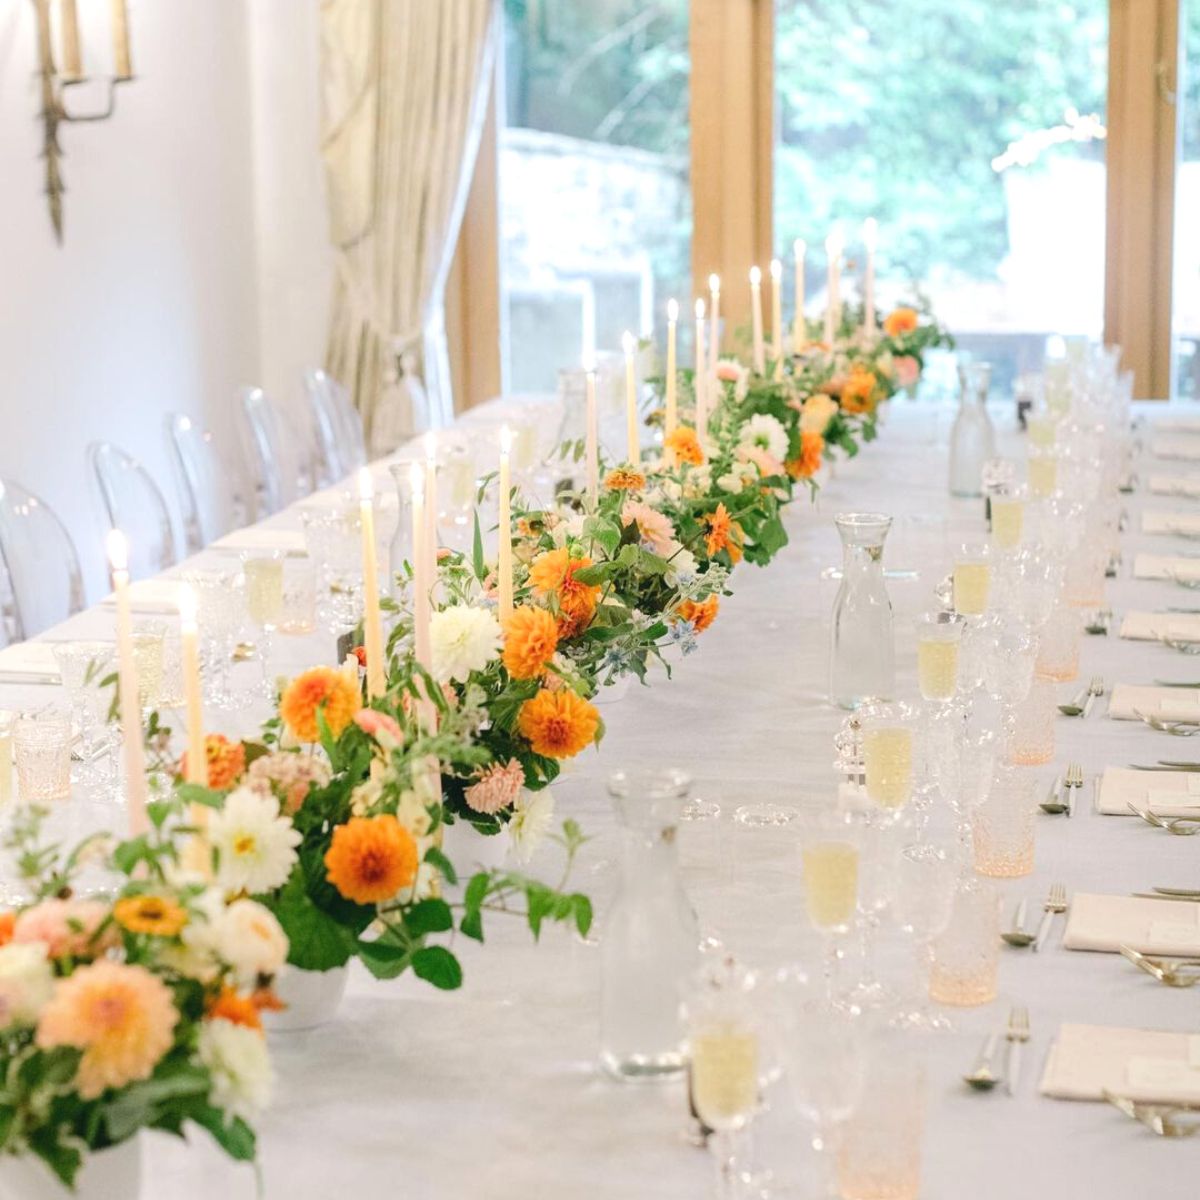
133,503
39,568
337,428
280,464
208,500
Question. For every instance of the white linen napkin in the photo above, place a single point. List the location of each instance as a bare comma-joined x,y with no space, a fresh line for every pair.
1176,446
1170,704
150,594
29,658
1179,422
262,537
1148,1065
1175,485
1166,566
1106,923
1178,523
1165,793
1152,626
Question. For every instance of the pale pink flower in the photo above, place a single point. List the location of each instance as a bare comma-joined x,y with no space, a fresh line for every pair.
654,528
67,927
380,726
497,788
287,775
908,370
766,463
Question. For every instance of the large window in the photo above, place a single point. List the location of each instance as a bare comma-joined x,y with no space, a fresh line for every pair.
974,133
595,205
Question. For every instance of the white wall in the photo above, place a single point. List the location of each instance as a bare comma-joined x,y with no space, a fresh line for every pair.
172,286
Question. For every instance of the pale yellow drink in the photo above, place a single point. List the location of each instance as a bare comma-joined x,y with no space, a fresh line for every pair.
888,763
937,668
830,883
6,762
148,659
1042,430
1043,474
972,582
461,475
1008,520
725,1075
264,590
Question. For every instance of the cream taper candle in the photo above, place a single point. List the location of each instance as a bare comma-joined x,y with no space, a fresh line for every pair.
777,316
592,440
799,332
700,381
127,683
756,320
633,450
870,239
421,581
372,614
189,655
714,322
504,530
671,418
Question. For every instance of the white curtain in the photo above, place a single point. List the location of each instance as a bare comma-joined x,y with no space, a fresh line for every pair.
405,85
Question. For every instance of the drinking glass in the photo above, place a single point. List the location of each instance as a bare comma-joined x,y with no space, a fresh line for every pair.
938,641
456,496
263,570
829,857
888,754
220,602
298,609
170,688
972,579
8,719
724,1057
333,538
81,666
1043,472
149,638
1042,427
880,1153
1030,726
1003,825
1008,517
1058,644
923,886
1085,570
880,839
966,954
1010,670
42,743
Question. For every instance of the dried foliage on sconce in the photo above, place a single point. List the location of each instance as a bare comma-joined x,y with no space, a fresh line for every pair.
56,80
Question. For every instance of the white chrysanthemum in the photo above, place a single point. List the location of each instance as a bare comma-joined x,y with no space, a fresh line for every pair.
767,433
697,482
26,982
236,1058
681,564
730,483
412,813
249,938
532,815
817,413
256,847
462,639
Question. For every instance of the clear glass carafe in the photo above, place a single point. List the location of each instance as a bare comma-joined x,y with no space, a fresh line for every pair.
651,939
400,552
863,652
972,440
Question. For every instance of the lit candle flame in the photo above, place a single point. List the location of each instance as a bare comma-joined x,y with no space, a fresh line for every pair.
714,283
506,437
118,550
366,484
799,246
755,277
187,606
776,270
699,310
628,341
672,310
416,479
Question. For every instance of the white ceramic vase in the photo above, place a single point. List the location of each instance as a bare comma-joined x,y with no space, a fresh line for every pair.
312,998
105,1175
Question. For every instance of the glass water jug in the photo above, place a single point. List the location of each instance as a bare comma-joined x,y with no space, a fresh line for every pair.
972,440
863,652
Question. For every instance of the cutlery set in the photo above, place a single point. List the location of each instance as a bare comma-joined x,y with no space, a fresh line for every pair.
1063,792
983,1076
1080,705
1018,936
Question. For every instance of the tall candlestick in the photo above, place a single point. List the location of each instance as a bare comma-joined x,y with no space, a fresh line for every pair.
777,315
701,382
122,67
672,415
799,333
756,320
870,239
189,654
421,580
714,323
833,251
372,616
431,505
592,440
505,529
72,59
127,684
629,344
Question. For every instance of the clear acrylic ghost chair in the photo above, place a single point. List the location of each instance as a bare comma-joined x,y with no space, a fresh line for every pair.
337,427
42,581
134,504
208,500
280,463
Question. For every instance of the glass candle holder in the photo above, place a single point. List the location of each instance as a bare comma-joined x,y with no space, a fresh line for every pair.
42,746
1058,644
966,955
938,644
972,579
1031,726
1002,827
298,610
889,735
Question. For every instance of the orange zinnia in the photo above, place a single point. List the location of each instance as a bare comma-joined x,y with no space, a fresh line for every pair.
226,761
684,446
724,533
235,1008
558,724
552,574
898,321
321,687
371,859
625,479
858,391
808,463
701,613
8,921
530,640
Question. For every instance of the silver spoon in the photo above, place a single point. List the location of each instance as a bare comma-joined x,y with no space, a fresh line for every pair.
1018,935
1075,706
981,1077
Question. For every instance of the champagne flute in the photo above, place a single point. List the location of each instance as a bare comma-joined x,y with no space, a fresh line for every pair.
938,643
972,579
263,570
829,857
889,735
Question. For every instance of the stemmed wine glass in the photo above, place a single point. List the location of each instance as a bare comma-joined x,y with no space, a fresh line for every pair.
220,603
829,855
263,570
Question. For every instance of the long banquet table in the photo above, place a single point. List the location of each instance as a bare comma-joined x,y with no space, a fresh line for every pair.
494,1091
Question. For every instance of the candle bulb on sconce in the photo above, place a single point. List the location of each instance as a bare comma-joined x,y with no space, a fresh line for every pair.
72,58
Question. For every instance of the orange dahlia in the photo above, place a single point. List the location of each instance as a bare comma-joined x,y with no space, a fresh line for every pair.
558,724
226,761
724,533
624,479
530,640
684,446
808,462
321,688
231,1006
371,859
898,321
858,391
150,914
701,613
552,574
8,921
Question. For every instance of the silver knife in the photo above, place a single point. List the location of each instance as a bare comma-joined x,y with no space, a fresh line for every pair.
1012,1069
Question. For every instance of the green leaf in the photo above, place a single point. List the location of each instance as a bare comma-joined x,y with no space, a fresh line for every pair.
158,811
436,965
128,854
385,958
582,908
138,1104
234,1136
438,859
194,793
477,559
428,916
63,1160
317,941
472,925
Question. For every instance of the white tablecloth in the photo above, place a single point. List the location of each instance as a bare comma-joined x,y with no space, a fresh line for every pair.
493,1091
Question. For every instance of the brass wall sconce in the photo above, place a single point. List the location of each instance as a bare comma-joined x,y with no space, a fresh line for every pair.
56,81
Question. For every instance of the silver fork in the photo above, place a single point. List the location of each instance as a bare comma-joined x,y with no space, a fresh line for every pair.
1095,688
1175,728
1056,902
1017,1035
1074,783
